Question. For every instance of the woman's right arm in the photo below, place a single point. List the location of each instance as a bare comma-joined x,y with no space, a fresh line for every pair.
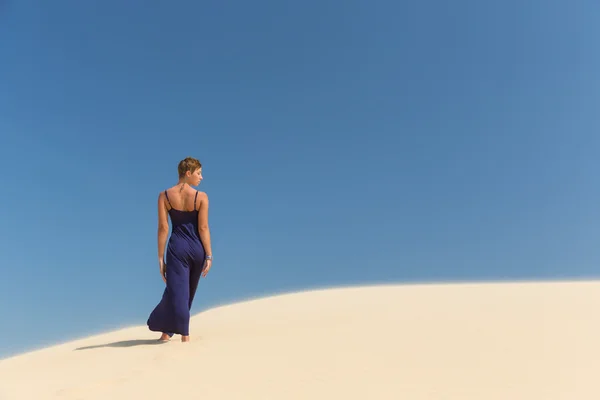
203,229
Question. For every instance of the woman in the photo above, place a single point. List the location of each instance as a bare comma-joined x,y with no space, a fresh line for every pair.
188,254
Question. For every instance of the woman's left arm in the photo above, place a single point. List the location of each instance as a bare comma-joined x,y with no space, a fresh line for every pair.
163,227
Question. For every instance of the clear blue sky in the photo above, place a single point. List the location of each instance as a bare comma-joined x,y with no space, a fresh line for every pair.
343,143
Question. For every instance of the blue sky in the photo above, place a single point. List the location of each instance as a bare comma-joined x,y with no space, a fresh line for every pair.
343,143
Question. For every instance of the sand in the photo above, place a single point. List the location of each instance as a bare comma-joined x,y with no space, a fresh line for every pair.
479,341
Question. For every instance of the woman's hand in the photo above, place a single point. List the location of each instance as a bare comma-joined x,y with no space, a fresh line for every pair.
206,268
163,269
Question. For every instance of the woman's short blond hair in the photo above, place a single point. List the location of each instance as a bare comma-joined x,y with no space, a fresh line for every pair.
188,164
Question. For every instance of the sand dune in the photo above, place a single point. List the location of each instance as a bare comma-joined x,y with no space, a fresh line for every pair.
456,341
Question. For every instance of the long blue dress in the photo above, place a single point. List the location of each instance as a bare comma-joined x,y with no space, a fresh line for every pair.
185,259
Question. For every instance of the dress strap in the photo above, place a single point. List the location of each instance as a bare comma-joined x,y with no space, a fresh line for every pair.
168,201
195,197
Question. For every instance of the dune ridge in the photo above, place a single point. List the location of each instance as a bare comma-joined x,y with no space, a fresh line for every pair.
517,340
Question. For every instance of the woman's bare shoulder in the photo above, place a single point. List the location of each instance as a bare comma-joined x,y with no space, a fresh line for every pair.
162,192
177,190
168,193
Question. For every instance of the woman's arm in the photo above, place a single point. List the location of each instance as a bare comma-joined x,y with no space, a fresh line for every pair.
203,229
163,227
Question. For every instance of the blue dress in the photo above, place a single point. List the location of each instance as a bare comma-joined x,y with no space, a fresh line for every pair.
185,259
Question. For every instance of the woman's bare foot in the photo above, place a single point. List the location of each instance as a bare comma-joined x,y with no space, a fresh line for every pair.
185,338
164,338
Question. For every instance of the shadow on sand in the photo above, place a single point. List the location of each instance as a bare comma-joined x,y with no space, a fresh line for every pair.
125,343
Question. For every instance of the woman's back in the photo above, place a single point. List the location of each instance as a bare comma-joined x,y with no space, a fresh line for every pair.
182,198
182,203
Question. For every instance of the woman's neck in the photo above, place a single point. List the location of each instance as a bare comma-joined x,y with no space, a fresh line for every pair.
182,185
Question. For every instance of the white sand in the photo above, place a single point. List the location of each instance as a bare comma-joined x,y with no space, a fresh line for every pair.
530,341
